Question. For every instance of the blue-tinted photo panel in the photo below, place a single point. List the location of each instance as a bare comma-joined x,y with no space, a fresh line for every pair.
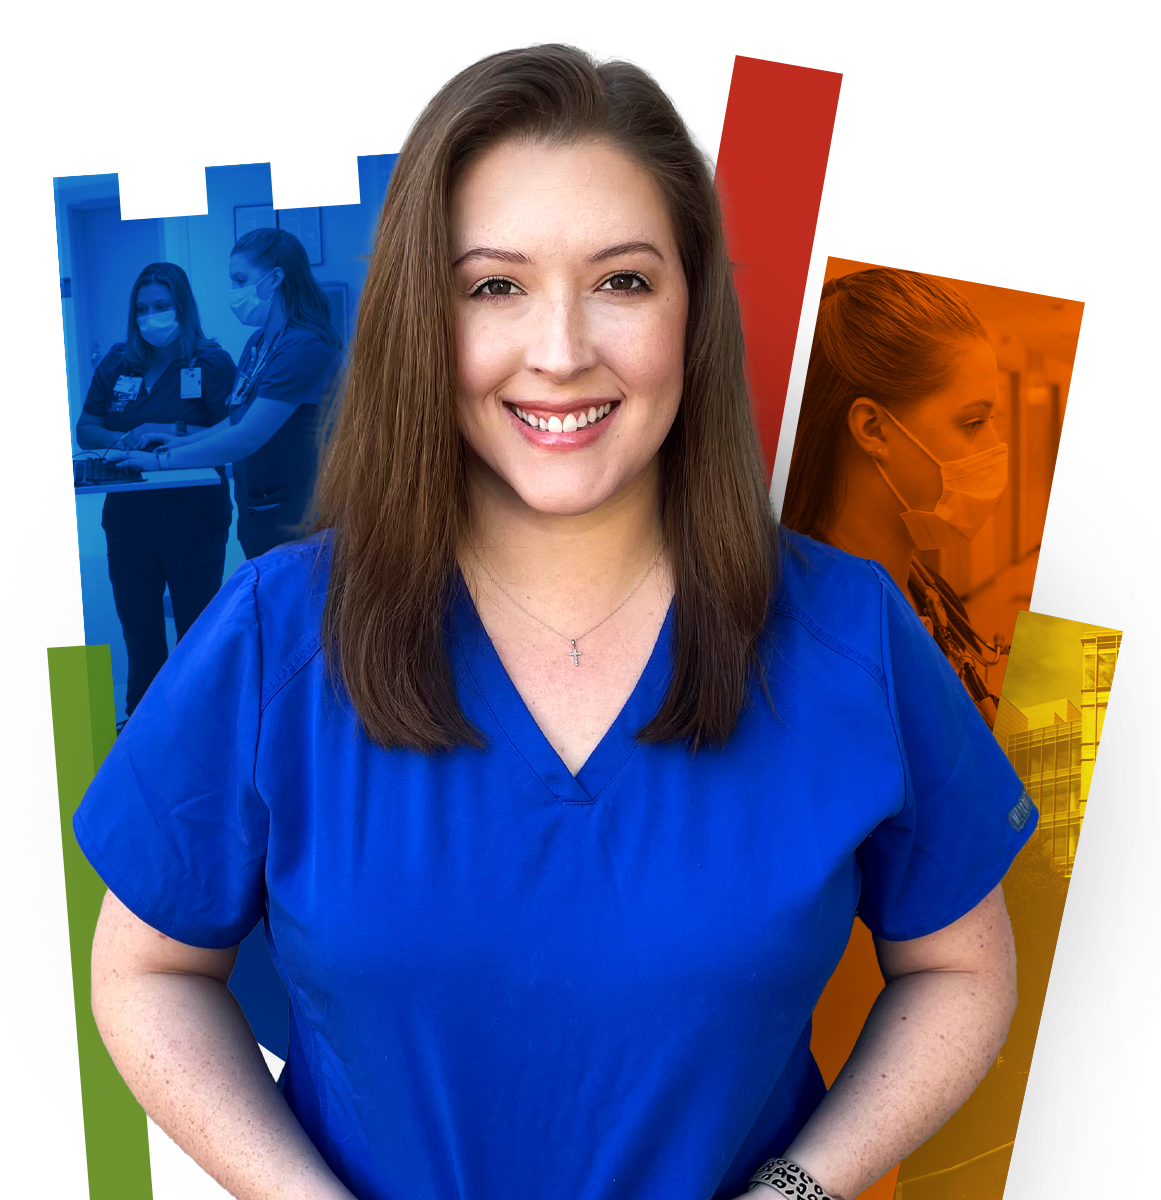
204,359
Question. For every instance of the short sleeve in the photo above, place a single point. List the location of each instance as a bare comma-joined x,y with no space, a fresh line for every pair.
172,822
101,386
300,370
965,813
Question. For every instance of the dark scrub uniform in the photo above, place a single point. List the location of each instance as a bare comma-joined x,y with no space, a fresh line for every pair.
507,982
174,536
274,486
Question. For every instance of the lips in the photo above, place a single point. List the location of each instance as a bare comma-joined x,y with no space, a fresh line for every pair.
557,427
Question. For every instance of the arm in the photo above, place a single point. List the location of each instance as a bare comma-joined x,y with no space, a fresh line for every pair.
153,430
933,1033
151,434
181,1043
92,434
222,443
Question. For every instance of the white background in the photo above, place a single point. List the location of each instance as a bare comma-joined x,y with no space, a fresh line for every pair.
1012,144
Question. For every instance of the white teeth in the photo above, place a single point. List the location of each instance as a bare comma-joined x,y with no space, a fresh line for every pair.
569,423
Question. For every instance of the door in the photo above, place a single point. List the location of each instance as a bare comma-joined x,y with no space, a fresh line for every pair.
108,255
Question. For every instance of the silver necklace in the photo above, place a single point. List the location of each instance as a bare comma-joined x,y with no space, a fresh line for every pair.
574,653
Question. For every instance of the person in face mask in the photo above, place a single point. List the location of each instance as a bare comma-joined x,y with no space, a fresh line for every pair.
277,408
896,451
166,379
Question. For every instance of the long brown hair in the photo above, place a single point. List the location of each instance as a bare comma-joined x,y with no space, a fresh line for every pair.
393,487
891,336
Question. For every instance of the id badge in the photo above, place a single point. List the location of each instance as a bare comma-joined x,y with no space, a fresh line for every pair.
191,383
125,392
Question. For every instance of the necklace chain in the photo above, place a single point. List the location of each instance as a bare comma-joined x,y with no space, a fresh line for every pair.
574,653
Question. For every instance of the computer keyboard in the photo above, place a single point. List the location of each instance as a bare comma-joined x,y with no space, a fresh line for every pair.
88,471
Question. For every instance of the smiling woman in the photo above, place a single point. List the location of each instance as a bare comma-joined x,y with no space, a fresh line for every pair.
556,782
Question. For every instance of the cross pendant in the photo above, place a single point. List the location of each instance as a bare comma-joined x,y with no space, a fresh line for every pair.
574,653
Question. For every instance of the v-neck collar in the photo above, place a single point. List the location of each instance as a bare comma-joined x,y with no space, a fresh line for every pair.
497,697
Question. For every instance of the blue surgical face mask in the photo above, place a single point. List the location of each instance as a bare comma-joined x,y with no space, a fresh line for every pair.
159,329
972,487
246,305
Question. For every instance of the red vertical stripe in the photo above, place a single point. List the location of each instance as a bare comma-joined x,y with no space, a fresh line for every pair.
771,166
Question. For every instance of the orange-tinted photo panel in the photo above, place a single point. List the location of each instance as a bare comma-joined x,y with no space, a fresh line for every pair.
926,440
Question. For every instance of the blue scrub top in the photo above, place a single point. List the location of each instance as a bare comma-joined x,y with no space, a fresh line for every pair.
300,370
507,982
166,516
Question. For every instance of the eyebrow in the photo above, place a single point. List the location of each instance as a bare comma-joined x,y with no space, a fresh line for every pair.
500,254
626,248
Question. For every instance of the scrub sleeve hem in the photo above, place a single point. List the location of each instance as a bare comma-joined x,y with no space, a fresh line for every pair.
993,877
910,933
190,935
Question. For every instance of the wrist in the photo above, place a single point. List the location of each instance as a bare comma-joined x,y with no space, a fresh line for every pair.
783,1177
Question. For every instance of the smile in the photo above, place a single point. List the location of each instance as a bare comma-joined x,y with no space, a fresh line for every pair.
568,422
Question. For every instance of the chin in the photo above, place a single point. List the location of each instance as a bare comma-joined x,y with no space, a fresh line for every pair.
571,502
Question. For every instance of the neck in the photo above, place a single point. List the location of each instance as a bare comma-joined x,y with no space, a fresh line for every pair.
162,356
587,561
275,323
868,523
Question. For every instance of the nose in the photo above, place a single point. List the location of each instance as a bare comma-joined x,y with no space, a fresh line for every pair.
562,347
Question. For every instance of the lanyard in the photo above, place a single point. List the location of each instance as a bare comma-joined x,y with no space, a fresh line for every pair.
246,379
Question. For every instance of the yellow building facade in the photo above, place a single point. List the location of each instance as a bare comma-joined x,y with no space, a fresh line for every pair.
1053,747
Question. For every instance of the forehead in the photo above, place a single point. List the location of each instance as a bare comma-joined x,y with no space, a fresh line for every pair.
241,265
545,199
150,293
976,369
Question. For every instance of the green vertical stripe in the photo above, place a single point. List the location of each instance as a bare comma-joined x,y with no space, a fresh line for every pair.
116,1138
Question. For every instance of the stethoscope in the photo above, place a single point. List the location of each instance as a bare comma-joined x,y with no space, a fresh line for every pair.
247,379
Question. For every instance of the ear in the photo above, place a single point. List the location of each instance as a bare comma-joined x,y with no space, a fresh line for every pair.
865,421
277,276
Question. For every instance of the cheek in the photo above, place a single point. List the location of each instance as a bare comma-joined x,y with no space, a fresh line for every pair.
646,351
486,356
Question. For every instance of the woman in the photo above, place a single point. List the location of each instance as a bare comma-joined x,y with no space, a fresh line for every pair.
166,372
896,451
556,782
278,406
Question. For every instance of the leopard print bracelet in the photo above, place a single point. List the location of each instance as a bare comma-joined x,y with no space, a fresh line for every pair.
790,1180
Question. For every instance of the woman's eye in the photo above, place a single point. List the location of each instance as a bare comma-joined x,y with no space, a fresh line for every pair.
625,281
495,287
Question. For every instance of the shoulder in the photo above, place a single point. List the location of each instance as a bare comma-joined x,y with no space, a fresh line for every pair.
837,599
213,355
114,361
289,588
302,342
